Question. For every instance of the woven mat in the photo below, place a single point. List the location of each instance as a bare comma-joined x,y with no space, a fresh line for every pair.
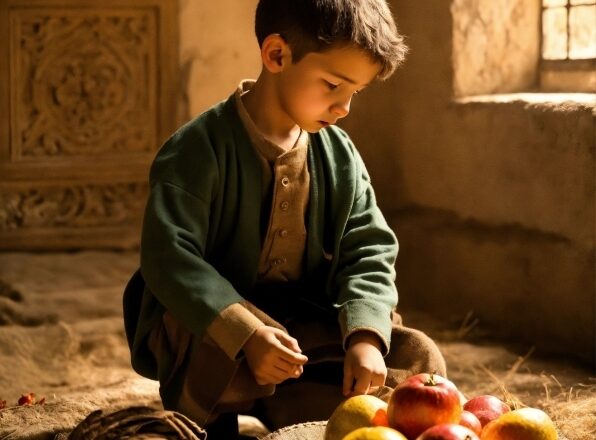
302,431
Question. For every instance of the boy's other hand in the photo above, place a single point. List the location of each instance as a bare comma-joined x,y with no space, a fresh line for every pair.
273,356
364,367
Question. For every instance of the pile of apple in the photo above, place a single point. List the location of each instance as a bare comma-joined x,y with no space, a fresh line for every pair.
430,407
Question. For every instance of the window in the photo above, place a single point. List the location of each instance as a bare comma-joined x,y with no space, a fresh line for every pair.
568,48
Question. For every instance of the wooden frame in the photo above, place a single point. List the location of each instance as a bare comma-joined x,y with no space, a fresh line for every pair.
565,75
88,92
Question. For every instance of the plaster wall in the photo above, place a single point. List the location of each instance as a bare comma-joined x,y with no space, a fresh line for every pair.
218,48
495,45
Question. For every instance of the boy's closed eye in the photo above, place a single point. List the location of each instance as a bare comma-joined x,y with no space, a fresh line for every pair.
333,86
330,85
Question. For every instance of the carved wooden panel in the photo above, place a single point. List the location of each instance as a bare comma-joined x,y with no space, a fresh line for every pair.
63,214
87,94
91,82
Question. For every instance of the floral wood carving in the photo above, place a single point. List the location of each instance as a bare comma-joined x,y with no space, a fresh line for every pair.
77,206
83,82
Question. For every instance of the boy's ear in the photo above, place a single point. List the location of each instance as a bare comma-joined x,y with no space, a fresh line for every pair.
275,53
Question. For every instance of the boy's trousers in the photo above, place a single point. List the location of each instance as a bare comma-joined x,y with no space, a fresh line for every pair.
204,382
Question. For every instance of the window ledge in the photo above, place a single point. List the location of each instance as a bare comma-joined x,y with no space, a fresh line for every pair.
563,101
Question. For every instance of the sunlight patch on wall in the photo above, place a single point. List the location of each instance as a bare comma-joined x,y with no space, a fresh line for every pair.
496,45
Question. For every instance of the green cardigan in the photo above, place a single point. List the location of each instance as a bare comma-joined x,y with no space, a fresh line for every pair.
201,238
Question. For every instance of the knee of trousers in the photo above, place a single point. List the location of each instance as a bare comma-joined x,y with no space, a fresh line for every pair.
412,352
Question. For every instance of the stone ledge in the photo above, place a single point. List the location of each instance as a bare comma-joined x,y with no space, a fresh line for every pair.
548,101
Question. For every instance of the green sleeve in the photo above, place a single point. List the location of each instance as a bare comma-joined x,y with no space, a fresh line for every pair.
365,276
174,237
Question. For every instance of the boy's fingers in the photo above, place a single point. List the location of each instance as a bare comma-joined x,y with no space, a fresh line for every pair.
290,355
378,380
348,381
287,367
288,341
362,384
280,375
274,374
290,373
290,366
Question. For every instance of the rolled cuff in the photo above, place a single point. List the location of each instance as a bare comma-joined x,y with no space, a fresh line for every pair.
358,317
232,328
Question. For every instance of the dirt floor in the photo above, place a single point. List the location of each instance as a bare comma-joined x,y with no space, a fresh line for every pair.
62,338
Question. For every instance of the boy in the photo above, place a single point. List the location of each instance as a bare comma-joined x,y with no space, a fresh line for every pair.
267,270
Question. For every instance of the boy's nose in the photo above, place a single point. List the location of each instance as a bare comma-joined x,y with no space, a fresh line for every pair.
342,108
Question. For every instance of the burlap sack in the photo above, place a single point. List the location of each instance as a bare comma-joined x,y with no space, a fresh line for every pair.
301,431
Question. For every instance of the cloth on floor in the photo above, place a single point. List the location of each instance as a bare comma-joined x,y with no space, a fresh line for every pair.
310,431
139,423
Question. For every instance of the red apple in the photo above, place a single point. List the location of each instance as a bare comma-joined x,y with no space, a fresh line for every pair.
422,401
486,408
448,431
470,421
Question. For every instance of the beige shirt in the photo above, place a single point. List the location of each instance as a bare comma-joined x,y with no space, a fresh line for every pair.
285,173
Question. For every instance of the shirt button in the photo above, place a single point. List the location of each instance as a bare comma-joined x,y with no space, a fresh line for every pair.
278,261
284,205
285,181
283,233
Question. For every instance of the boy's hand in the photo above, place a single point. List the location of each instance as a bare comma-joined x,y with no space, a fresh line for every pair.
273,356
364,367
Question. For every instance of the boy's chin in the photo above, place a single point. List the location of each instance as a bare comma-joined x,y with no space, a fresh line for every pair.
312,130
315,127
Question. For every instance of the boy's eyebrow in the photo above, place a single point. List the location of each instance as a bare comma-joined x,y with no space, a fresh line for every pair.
345,78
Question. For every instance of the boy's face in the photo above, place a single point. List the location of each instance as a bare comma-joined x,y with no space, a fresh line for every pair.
317,91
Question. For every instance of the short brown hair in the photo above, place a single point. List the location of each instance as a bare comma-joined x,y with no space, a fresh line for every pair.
319,25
